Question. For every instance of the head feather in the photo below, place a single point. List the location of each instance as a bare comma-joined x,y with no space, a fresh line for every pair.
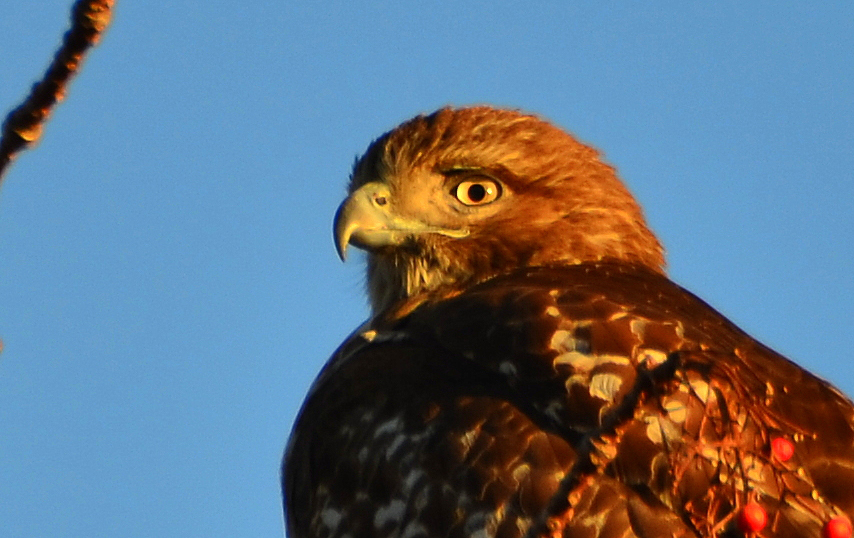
563,204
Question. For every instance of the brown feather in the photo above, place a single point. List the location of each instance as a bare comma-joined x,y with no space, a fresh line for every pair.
567,205
540,376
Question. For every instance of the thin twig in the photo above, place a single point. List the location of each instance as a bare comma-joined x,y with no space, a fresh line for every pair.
23,125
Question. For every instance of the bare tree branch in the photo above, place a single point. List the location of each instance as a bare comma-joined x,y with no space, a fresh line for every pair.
23,125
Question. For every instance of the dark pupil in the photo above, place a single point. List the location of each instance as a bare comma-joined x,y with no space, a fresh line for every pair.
477,192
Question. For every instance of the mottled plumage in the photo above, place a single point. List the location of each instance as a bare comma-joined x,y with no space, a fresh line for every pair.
530,370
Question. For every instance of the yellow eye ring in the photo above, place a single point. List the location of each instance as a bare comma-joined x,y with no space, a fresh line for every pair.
474,192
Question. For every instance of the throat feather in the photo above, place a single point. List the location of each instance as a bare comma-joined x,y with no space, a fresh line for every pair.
403,276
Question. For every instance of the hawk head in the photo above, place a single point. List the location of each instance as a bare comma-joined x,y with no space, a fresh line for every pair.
454,198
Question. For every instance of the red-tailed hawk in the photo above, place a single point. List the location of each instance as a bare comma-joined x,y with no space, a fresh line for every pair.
530,370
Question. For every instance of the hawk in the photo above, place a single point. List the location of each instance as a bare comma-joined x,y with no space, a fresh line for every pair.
529,369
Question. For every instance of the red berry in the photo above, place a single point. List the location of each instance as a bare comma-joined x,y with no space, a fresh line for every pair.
782,448
753,518
838,527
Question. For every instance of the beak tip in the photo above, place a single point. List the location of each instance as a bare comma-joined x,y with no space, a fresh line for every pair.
341,231
342,252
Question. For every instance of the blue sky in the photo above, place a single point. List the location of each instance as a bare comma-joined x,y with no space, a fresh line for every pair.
168,283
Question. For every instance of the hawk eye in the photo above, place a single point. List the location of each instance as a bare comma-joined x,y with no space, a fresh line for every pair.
479,191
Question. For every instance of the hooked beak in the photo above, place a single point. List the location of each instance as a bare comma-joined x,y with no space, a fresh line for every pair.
366,220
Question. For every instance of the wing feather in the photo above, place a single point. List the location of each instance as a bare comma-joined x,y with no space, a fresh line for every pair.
595,400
